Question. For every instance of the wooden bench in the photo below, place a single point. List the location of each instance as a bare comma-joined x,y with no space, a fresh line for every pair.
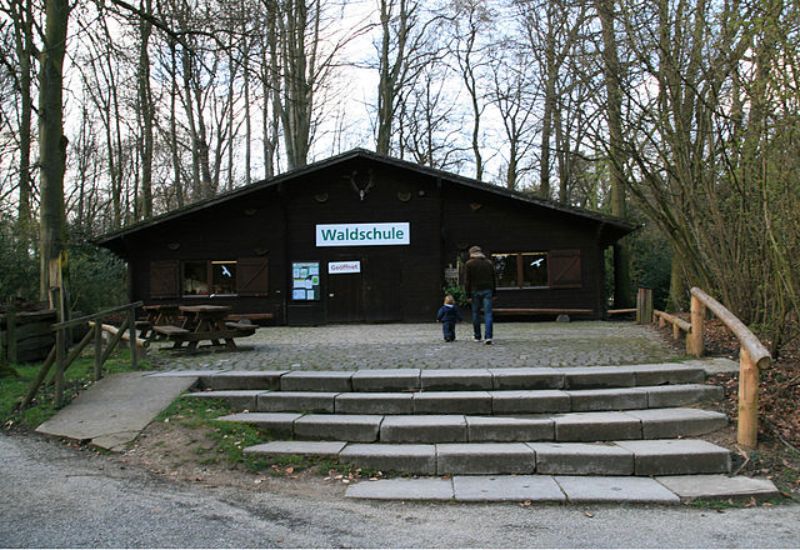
532,311
242,328
170,330
252,317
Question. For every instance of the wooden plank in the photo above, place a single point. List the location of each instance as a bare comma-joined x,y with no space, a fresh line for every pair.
34,387
624,311
95,316
112,330
540,311
170,330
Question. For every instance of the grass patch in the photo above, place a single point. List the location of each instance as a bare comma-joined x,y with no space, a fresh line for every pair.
78,377
230,438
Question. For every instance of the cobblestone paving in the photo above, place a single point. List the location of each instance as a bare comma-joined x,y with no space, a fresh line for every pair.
349,347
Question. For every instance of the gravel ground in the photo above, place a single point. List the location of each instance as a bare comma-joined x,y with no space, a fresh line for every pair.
55,496
348,347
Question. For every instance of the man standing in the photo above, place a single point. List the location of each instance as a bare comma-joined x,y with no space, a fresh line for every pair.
479,282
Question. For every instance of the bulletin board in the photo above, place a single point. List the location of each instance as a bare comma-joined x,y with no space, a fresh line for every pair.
305,281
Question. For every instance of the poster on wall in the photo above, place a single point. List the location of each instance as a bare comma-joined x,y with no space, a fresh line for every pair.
305,281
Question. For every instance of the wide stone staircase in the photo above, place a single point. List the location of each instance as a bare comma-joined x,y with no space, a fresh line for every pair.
536,425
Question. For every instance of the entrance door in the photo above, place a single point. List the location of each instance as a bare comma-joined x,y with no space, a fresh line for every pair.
382,289
344,298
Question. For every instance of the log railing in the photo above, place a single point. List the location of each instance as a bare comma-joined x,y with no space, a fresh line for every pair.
62,357
678,325
753,356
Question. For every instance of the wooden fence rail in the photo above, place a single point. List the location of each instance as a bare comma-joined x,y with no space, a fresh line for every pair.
753,356
62,357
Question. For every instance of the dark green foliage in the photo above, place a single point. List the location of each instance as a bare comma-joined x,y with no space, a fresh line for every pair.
458,293
19,275
651,262
97,279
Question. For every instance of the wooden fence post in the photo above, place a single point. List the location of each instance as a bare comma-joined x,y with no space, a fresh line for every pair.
11,334
98,350
694,340
747,426
132,336
58,376
644,306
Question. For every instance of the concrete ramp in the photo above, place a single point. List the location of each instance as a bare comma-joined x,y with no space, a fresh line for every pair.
116,409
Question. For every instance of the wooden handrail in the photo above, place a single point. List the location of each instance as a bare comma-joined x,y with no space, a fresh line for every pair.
758,352
685,326
752,357
95,316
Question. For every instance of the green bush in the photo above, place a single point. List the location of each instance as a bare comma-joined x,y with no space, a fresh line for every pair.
97,279
458,293
19,276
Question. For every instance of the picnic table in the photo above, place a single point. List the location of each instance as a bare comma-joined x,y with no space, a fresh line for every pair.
205,322
157,315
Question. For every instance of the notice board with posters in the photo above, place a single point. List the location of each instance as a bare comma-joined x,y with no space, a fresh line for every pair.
305,281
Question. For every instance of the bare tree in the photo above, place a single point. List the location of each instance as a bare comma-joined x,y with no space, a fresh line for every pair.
472,20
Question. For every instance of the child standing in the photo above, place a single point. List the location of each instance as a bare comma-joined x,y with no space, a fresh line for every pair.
449,315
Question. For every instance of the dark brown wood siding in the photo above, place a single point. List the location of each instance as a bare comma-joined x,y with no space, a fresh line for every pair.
270,228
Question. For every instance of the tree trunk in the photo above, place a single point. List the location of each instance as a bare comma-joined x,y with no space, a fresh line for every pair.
612,72
146,108
52,142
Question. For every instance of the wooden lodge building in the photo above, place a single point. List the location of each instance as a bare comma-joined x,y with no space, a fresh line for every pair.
361,237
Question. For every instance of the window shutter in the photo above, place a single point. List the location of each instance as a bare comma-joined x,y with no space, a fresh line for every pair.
164,279
564,268
252,276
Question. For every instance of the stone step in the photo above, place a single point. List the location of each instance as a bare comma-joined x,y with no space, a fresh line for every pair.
596,426
564,489
495,402
400,380
665,457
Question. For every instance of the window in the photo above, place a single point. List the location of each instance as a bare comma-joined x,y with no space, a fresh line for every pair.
521,269
553,269
203,278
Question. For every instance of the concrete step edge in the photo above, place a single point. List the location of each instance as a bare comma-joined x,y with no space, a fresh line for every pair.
538,488
670,457
455,379
567,427
495,402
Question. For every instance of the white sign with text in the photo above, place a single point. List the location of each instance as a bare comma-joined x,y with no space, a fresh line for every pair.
338,268
364,234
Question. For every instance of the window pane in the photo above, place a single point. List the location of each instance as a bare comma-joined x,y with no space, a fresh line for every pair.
505,265
534,269
223,277
195,278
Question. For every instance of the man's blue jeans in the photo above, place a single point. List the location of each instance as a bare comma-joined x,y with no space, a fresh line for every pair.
482,299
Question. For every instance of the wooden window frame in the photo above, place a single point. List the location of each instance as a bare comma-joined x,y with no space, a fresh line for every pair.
551,285
209,279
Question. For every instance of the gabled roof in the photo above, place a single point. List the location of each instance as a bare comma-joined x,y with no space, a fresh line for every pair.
621,226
